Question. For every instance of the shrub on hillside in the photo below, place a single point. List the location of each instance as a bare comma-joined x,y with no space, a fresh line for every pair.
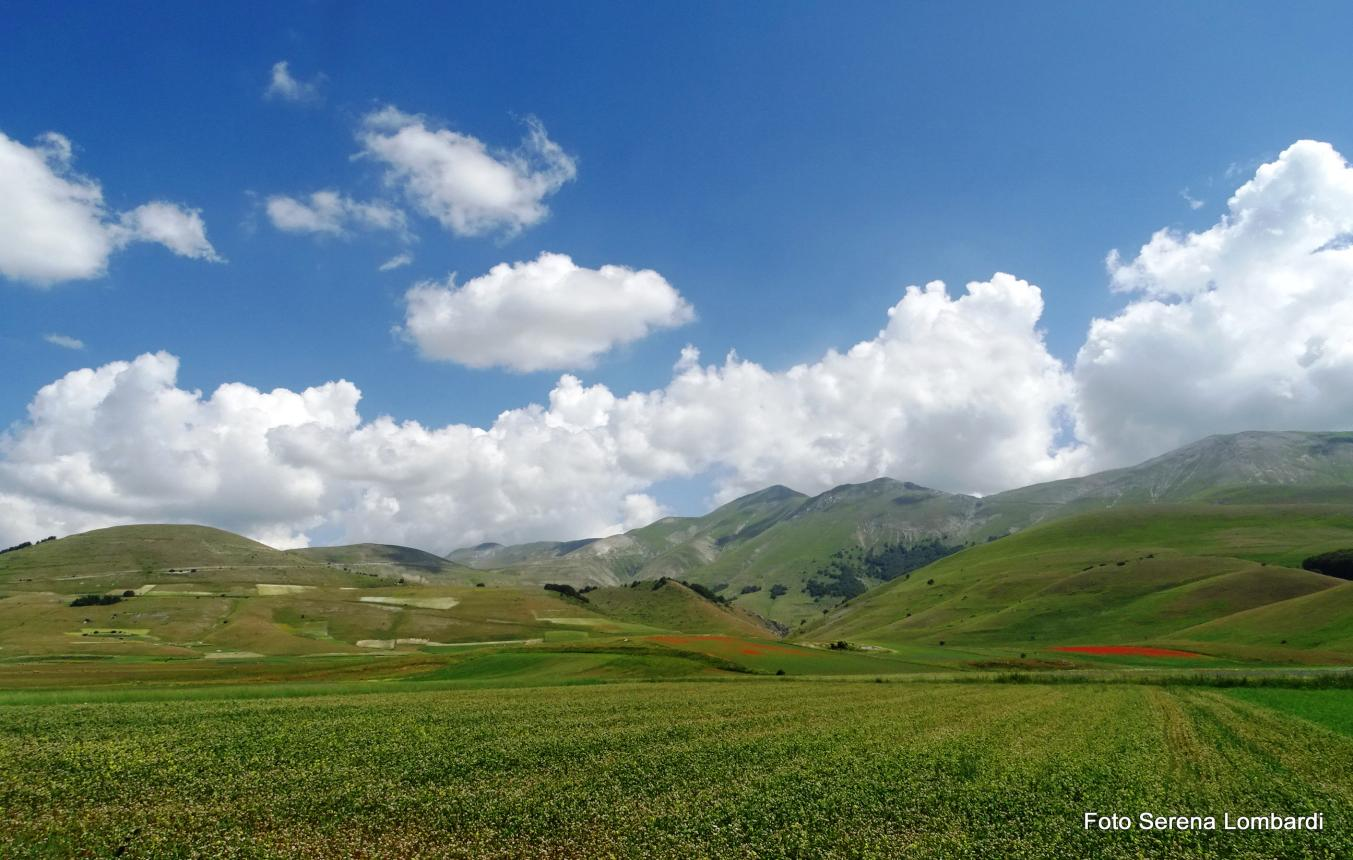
96,600
565,590
1338,563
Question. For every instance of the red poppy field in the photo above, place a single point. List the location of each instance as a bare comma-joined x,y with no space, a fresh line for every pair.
1126,650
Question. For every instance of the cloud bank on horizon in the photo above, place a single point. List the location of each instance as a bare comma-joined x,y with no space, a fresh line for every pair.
1244,325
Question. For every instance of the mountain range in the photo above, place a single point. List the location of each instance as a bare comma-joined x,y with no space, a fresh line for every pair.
1205,544
789,556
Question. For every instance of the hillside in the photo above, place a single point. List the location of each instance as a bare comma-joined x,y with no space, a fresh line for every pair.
668,547
670,605
1242,467
187,592
787,556
143,554
1217,579
391,561
746,548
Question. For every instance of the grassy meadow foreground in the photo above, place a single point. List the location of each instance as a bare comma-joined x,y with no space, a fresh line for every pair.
751,768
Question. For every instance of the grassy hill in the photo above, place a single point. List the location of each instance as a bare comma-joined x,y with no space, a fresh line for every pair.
390,561
884,562
190,592
670,605
143,554
1218,579
788,557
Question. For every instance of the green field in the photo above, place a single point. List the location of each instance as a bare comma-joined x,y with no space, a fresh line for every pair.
759,768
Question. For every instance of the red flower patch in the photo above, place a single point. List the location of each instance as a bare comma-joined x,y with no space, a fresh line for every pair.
1133,650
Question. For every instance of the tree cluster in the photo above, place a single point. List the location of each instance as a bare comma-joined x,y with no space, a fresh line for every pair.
565,590
845,572
26,544
1338,563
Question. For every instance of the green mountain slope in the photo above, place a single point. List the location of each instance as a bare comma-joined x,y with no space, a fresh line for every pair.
393,562
788,557
1253,467
1211,578
748,547
670,547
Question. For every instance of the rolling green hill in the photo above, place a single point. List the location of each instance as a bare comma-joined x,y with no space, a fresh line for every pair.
788,557
1222,580
670,605
142,554
1179,549
394,562
174,591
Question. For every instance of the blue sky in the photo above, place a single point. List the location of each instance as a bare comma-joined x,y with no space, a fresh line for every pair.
788,168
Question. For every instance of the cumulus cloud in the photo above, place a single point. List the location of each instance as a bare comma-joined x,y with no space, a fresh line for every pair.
955,392
54,225
64,341
330,213
1245,325
282,86
457,180
123,443
548,313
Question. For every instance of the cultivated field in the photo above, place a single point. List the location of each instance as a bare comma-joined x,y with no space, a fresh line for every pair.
742,768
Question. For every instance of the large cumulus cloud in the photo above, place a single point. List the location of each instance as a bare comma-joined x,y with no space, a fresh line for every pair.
1247,325
955,392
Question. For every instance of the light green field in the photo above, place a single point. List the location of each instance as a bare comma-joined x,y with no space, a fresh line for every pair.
752,769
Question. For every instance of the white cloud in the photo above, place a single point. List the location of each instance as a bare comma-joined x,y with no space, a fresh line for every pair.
456,179
398,261
283,87
54,225
640,510
122,443
954,392
1194,202
330,213
64,341
547,313
178,229
1247,325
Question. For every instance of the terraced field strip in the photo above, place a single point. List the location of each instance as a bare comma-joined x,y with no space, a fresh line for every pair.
744,769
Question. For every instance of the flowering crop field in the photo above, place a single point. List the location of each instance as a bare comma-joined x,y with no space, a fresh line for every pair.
755,768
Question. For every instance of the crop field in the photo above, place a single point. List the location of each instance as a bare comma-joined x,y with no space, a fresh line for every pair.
746,768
